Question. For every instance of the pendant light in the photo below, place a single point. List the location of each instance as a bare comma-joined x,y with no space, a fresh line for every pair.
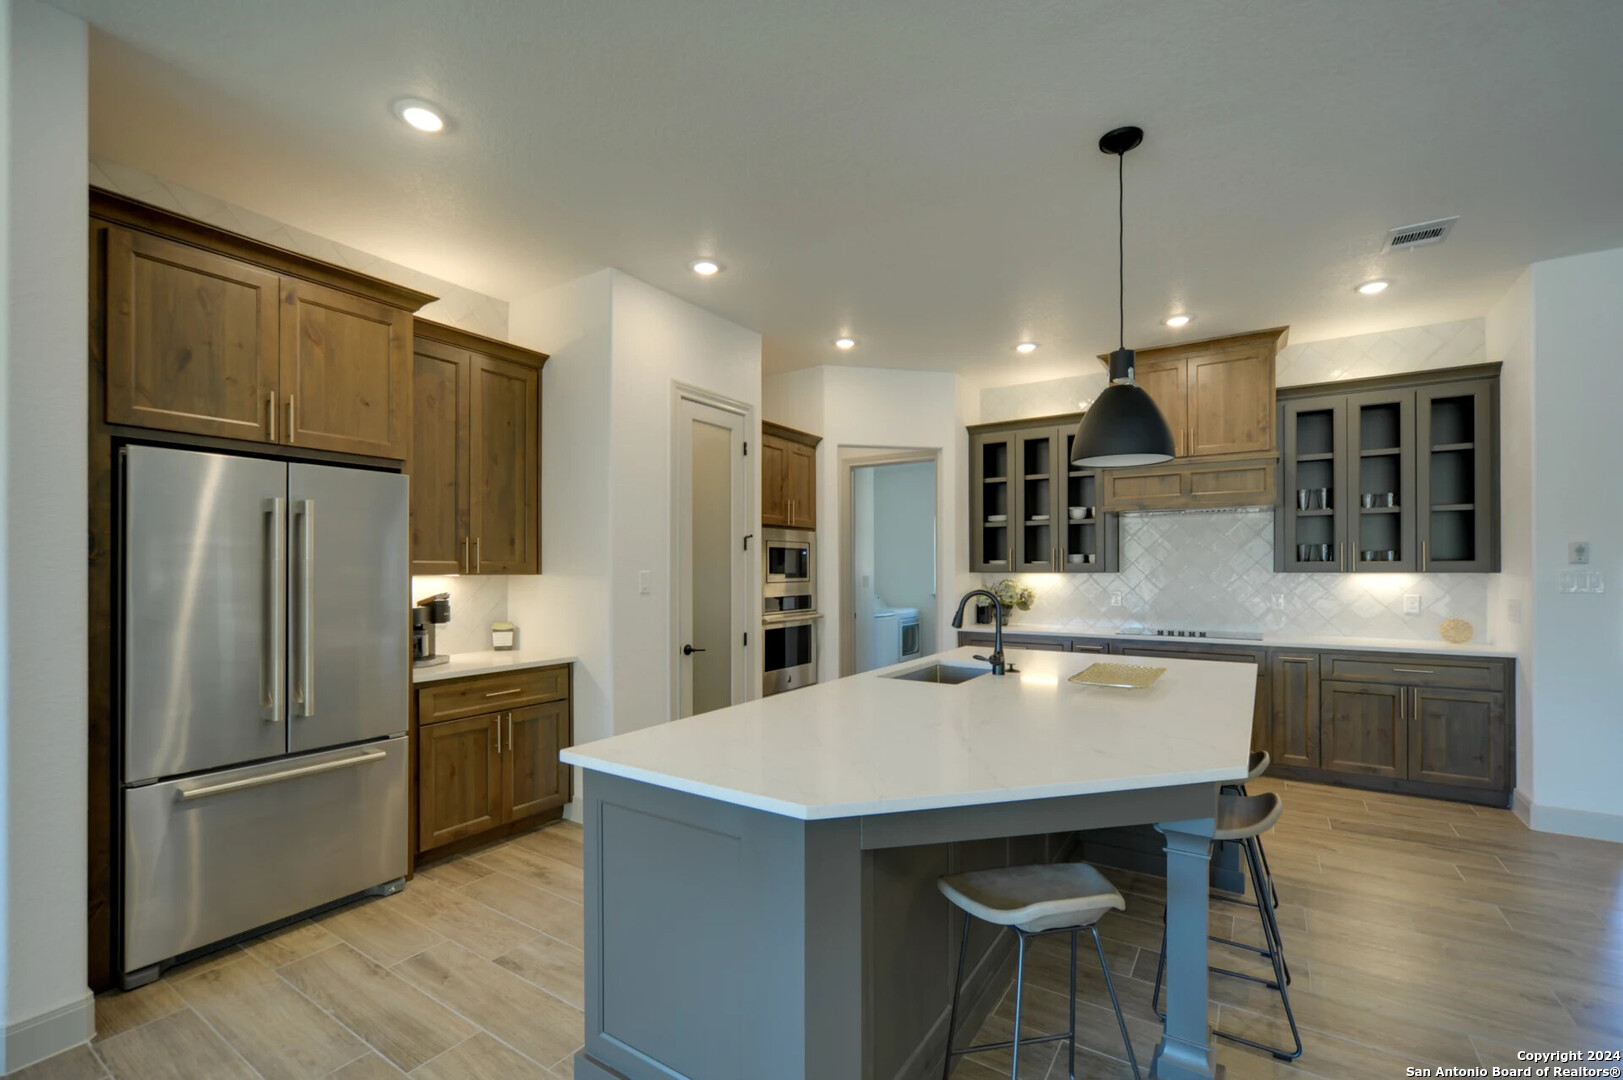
1123,427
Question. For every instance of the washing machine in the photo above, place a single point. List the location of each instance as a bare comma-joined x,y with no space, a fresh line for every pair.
895,635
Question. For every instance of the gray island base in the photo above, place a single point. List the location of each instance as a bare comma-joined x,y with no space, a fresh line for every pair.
729,943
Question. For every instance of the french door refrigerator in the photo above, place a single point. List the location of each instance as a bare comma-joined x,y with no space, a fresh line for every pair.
264,682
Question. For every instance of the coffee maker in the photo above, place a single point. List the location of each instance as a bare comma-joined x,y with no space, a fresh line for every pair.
429,612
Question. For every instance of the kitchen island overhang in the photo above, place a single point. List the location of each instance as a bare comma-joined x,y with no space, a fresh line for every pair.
760,896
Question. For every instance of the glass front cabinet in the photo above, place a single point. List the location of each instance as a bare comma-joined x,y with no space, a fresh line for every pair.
1391,476
1030,510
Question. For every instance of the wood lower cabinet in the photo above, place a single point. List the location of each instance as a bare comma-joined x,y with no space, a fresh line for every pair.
475,461
191,339
459,777
1434,724
1458,737
1294,738
495,772
533,779
1363,729
788,477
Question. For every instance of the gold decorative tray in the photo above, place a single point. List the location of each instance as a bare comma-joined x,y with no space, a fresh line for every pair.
1125,676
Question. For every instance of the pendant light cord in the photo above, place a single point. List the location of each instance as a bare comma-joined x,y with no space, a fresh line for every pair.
1121,250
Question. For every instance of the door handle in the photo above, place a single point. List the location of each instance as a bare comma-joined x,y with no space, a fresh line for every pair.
510,732
466,565
287,774
276,585
273,416
291,431
478,562
306,691
689,650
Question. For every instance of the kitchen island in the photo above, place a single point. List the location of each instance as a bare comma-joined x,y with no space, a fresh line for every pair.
760,880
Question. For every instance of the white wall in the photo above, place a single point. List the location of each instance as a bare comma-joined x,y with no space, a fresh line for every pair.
1577,494
659,341
565,611
1512,600
886,409
904,574
43,388
862,569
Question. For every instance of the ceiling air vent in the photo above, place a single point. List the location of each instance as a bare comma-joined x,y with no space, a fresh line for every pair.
1406,237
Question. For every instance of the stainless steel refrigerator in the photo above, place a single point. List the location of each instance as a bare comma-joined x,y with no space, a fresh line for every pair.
264,680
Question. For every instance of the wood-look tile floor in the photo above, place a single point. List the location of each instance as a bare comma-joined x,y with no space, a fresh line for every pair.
1419,933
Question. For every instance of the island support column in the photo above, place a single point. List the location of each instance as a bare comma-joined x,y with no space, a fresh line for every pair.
1185,1051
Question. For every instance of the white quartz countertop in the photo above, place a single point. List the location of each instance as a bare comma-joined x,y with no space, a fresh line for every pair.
874,745
485,663
1297,641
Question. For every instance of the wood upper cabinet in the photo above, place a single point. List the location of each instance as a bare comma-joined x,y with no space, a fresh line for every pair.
788,477
505,485
1167,383
1364,729
533,779
212,334
345,372
459,778
1217,396
191,339
475,461
438,465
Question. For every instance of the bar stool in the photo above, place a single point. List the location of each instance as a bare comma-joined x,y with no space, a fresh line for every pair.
1034,901
1243,819
1256,767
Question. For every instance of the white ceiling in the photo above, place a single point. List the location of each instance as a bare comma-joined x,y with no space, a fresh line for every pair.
921,174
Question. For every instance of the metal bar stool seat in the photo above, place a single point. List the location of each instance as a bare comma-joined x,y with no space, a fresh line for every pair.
1243,819
1255,768
1032,901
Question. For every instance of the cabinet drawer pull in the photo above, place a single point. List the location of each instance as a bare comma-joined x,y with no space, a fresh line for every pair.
1416,670
504,693
1301,659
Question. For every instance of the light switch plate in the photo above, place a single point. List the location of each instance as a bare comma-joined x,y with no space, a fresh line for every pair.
1578,553
645,582
1411,603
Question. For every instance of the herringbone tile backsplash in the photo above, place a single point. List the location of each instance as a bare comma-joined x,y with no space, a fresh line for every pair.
1214,571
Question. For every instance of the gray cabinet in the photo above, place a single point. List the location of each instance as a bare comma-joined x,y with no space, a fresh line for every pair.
1030,511
1422,451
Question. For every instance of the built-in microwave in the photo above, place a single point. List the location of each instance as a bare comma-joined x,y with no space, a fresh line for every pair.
789,560
790,653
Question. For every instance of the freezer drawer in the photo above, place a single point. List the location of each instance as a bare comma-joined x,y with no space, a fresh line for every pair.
215,855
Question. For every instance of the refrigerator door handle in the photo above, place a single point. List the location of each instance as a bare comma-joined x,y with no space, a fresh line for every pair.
276,631
276,778
305,692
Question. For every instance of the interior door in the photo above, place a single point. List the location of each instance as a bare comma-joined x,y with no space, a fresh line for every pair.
349,624
533,779
438,467
713,583
505,519
191,339
345,372
204,619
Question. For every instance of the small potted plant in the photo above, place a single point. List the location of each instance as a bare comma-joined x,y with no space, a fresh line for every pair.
1011,594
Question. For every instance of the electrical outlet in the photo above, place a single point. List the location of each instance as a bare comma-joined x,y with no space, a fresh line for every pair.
1115,599
1578,553
645,582
1279,601
1411,603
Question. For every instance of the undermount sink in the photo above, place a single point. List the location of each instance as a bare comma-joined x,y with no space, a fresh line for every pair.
947,674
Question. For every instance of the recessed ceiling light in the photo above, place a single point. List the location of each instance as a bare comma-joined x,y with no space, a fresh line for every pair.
420,114
1371,288
844,343
705,267
1176,321
1026,347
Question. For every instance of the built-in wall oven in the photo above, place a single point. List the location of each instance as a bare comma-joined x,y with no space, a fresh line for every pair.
789,557
790,651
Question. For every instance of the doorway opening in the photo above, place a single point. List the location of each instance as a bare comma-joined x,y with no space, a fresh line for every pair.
889,569
712,572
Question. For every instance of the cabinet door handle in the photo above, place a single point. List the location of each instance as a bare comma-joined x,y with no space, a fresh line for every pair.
478,562
497,729
292,432
509,732
273,416
1423,553
465,563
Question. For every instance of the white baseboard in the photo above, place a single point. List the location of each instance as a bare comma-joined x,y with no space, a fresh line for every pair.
574,811
1586,823
1522,806
51,1032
